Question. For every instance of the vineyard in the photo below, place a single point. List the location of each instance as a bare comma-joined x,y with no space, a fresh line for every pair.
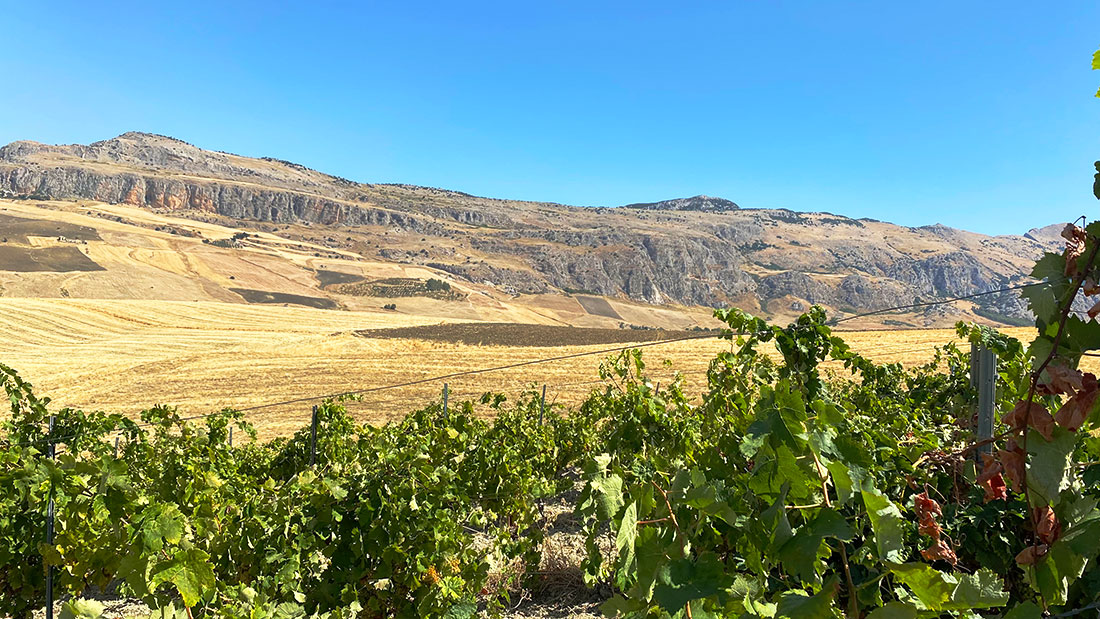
785,491
790,488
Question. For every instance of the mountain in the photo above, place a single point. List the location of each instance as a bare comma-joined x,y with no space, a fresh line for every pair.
695,203
698,251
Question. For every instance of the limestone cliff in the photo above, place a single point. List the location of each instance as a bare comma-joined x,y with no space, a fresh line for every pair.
693,251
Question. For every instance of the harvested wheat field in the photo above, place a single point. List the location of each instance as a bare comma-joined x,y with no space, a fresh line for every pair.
123,356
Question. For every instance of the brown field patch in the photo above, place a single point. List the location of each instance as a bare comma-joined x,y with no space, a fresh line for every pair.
326,278
17,229
512,334
266,296
61,259
598,306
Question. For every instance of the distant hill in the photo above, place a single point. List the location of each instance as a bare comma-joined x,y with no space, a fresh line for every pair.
696,203
699,251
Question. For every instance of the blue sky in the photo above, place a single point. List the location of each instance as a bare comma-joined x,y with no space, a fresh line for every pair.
971,114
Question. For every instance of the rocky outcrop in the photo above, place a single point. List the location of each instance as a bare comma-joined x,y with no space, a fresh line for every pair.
853,292
696,251
695,203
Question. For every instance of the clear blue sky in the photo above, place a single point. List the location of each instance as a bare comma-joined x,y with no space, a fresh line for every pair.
972,114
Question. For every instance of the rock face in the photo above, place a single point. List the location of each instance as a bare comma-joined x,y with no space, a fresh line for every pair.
692,251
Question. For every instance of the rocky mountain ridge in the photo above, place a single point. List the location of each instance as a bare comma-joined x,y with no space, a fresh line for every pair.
694,203
693,251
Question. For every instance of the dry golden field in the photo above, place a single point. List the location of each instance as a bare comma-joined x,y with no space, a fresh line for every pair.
125,355
149,308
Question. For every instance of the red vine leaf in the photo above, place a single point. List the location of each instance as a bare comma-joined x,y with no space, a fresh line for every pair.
1031,554
1063,379
1035,415
927,511
940,550
1076,410
1047,526
995,488
991,481
1075,246
1014,461
1041,419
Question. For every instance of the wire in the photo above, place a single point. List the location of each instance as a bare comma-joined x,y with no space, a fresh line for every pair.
509,366
939,302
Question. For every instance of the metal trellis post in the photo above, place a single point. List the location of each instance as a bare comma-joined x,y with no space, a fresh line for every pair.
542,404
49,526
983,377
973,365
446,393
313,439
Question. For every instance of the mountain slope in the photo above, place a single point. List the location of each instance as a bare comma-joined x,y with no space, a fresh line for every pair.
695,251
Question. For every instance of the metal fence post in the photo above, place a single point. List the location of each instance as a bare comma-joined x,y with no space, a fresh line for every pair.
116,448
542,404
984,378
49,526
974,360
446,393
231,436
313,439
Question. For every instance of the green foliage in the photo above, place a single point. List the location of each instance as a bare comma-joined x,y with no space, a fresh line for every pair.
386,522
437,285
1095,66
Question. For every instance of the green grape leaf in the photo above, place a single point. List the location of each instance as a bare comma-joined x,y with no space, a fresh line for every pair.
82,609
797,604
609,499
652,553
842,481
687,580
1026,610
776,521
1081,335
802,554
160,524
624,541
462,610
1061,566
1042,302
619,606
886,522
778,468
938,590
894,610
189,571
792,411
1050,471
1051,267
982,589
931,586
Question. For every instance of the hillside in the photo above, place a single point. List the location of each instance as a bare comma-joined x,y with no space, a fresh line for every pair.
695,252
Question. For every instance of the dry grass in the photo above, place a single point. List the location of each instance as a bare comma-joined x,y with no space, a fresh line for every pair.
123,356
